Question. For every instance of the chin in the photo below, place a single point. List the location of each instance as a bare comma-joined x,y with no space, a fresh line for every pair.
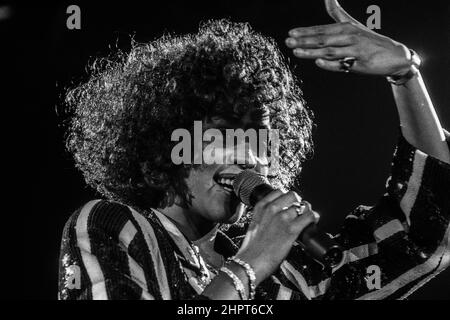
224,206
233,219
238,212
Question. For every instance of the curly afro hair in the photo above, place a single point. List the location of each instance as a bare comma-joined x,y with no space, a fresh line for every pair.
123,116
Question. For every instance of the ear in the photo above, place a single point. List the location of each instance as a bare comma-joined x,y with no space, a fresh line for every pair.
336,12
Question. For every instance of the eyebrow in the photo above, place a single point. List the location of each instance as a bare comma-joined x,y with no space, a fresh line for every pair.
257,121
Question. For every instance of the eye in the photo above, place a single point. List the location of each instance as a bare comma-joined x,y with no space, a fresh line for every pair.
269,152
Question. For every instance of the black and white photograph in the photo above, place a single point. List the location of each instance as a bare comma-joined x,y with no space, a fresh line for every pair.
242,151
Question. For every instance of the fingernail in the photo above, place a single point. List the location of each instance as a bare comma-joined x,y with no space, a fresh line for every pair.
290,41
299,51
293,33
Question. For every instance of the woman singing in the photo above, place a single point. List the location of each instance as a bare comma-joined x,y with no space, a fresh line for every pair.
156,235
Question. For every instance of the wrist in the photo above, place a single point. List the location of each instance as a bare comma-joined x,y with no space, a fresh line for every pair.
407,73
260,268
250,272
238,279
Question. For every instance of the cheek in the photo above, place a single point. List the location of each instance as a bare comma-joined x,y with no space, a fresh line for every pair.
220,204
201,179
262,165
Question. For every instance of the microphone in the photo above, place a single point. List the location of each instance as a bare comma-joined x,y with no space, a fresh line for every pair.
251,188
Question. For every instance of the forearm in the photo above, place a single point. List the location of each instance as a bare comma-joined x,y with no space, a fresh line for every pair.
418,119
222,286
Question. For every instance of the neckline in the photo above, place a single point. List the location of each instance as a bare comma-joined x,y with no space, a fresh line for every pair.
203,275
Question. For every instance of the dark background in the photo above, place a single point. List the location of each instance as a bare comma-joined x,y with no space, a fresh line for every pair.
356,116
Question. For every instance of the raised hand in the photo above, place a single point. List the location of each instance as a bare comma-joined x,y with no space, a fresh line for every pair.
348,46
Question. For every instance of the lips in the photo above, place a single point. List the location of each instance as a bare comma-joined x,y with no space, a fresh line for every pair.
225,180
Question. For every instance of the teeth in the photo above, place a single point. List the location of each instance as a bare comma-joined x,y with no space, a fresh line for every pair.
226,182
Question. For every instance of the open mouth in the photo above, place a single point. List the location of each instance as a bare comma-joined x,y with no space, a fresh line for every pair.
225,180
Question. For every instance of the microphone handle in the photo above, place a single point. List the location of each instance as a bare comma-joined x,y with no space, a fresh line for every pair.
321,246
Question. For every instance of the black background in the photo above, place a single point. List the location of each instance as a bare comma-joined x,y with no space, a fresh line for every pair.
356,116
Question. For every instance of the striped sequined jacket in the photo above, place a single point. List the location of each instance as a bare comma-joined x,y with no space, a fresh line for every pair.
112,251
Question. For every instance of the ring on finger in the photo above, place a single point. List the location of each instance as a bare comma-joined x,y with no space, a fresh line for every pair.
347,63
299,206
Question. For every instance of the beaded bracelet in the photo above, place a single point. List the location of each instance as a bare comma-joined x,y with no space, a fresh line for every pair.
415,62
238,285
250,274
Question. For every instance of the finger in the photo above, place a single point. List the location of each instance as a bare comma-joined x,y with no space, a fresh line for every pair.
334,65
304,220
283,201
329,53
308,207
292,212
269,198
327,29
320,41
335,11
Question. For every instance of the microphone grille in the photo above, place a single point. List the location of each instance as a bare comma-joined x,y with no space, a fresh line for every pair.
245,182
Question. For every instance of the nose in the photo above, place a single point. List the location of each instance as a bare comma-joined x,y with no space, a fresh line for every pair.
247,166
246,158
